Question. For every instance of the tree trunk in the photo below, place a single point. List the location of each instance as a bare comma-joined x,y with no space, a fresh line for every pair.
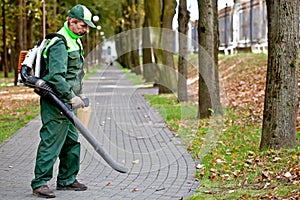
30,41
167,72
154,9
127,44
19,39
208,94
217,107
183,20
148,67
281,95
161,15
126,39
135,25
25,42
4,56
119,47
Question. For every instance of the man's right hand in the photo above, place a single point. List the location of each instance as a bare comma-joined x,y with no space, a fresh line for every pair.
85,100
77,102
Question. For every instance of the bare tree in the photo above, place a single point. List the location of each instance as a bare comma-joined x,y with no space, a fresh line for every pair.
148,67
160,16
183,20
167,76
128,25
4,53
281,95
208,94
135,19
19,38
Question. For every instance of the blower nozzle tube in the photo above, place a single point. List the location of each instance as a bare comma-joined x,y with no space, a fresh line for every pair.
84,131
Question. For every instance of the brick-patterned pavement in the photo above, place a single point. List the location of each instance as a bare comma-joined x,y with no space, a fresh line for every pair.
133,133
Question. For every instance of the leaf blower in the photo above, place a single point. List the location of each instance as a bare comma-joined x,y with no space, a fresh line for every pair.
46,92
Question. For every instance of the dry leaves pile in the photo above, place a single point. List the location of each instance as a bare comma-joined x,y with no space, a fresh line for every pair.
269,171
15,97
242,84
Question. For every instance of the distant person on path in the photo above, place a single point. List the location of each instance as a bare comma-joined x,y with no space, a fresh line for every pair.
59,137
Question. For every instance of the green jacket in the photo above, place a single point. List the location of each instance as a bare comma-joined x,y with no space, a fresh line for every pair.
64,66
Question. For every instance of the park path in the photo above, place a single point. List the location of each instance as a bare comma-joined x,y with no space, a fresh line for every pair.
133,133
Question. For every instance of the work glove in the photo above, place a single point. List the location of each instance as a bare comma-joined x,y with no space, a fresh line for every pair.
85,100
76,102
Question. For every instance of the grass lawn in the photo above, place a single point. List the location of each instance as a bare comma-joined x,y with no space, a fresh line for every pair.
229,163
18,105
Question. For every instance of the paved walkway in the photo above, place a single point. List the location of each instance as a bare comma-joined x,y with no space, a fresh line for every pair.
133,133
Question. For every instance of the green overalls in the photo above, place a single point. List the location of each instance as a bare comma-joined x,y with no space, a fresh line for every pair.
59,137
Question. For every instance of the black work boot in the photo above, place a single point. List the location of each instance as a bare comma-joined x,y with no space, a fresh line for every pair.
44,192
74,186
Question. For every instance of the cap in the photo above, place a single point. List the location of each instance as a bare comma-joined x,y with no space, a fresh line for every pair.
83,13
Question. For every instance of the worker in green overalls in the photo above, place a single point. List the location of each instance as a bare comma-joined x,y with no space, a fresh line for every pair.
59,137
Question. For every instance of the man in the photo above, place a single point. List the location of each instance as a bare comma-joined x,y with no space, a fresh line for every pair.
59,137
